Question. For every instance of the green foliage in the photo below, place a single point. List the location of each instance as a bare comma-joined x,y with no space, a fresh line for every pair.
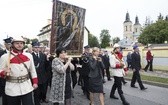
93,41
105,38
34,40
155,33
25,46
28,41
116,40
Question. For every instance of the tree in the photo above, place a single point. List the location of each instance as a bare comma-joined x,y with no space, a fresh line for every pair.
28,41
116,40
155,33
34,40
93,41
105,38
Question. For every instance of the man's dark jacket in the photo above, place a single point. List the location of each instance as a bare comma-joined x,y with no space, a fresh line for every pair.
40,64
136,61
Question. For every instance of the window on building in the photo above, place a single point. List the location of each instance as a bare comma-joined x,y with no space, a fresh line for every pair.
136,30
125,28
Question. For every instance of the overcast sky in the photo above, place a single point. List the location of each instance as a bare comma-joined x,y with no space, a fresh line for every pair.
27,17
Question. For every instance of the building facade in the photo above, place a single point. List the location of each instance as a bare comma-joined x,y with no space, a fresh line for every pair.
131,31
45,34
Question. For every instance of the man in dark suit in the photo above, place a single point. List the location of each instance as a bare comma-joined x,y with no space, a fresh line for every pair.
40,60
85,70
136,67
106,63
7,43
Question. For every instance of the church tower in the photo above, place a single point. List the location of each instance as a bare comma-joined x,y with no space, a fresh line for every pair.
137,29
131,32
128,29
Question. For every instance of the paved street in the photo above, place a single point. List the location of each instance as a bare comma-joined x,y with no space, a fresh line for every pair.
152,96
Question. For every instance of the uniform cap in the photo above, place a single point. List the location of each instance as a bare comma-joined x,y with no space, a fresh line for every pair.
18,39
87,46
135,46
35,44
8,40
116,45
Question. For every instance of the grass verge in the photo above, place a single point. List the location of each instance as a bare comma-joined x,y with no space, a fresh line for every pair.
150,78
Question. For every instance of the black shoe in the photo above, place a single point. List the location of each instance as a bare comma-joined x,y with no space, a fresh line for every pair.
79,84
88,96
144,88
41,101
45,101
145,70
56,103
134,87
114,97
109,79
124,83
124,101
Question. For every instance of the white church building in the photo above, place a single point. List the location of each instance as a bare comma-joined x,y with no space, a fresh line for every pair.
131,32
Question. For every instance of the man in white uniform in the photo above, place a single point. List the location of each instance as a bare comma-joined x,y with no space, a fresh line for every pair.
15,66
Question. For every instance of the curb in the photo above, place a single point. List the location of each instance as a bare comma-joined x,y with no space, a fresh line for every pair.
151,83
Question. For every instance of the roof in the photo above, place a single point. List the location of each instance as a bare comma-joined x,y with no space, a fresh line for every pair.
137,21
44,41
127,18
44,32
46,26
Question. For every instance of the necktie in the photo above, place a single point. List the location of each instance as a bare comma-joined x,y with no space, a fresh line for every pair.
37,55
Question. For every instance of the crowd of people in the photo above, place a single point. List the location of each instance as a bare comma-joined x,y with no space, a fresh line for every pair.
25,76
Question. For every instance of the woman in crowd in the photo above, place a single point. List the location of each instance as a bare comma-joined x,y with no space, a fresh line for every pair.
95,76
61,89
